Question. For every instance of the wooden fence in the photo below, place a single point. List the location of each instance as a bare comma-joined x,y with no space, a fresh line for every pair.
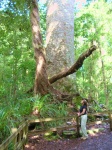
18,138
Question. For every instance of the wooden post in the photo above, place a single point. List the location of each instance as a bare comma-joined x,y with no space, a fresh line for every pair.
78,126
15,142
110,120
14,130
25,135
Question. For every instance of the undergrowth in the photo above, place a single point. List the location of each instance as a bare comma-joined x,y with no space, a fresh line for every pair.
49,108
12,113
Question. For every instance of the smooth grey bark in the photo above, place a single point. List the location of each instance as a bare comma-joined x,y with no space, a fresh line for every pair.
60,37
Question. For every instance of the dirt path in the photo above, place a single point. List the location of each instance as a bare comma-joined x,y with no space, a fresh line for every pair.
98,141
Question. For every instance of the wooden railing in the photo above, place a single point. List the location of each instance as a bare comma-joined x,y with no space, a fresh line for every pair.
18,138
76,125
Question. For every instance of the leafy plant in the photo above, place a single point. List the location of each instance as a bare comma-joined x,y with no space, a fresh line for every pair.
48,108
12,114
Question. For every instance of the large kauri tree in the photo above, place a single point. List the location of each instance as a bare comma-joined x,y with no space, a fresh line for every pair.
60,40
43,85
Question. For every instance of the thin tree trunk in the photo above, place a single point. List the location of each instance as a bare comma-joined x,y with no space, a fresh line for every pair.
104,80
41,79
41,85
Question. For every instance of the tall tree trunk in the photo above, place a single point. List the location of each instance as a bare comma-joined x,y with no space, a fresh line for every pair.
41,85
60,38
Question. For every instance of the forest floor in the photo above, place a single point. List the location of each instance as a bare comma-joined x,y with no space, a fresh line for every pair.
101,140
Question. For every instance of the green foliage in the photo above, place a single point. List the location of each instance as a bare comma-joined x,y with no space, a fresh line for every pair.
12,114
17,62
43,9
92,24
69,134
51,136
77,102
48,108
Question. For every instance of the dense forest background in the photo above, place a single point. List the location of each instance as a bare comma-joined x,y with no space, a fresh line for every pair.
17,65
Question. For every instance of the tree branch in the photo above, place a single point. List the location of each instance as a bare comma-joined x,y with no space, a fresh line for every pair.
75,67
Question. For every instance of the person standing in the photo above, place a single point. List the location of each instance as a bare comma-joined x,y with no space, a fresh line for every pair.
83,114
